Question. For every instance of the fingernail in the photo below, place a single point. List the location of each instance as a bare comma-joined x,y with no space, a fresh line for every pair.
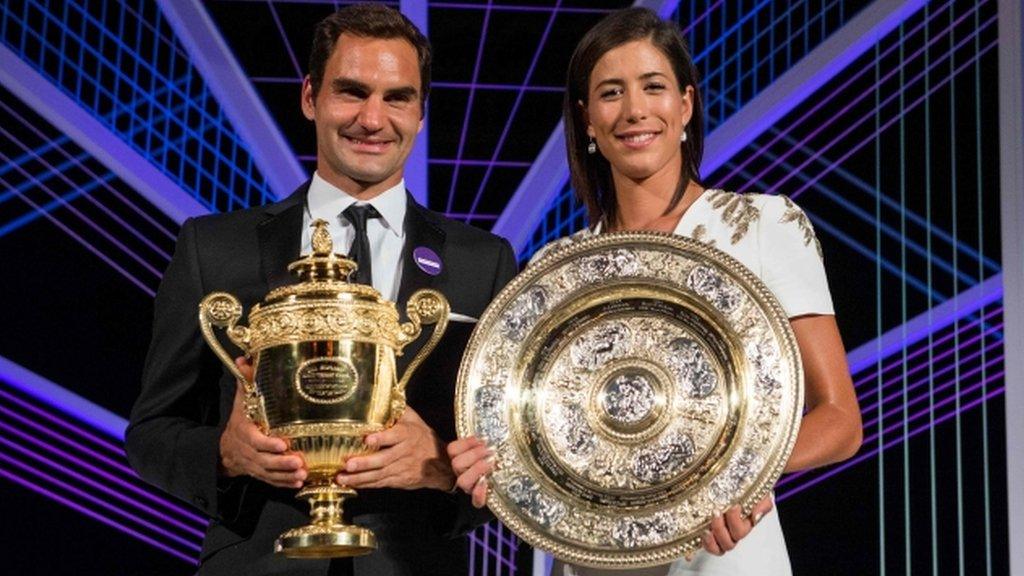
757,518
351,466
370,441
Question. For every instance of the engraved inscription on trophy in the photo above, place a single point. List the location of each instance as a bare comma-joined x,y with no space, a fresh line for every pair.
326,380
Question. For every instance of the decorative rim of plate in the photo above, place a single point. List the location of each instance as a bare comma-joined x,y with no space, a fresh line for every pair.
528,529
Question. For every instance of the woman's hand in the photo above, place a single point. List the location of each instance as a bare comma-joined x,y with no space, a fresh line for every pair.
728,529
471,462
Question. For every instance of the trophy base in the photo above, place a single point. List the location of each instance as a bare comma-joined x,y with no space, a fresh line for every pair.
328,536
338,541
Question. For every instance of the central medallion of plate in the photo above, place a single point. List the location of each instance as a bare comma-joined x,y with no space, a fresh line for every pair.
628,399
626,415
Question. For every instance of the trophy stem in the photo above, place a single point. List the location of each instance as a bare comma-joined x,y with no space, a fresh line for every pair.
327,536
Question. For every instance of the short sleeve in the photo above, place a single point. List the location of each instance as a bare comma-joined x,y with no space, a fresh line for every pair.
791,259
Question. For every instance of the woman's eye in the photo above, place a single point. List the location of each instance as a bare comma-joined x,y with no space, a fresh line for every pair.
655,87
611,93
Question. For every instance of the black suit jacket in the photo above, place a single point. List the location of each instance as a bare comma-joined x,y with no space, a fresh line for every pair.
174,431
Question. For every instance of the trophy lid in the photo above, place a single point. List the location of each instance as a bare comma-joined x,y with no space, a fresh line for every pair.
322,263
323,273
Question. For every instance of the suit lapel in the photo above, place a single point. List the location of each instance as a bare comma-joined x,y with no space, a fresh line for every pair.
280,237
419,233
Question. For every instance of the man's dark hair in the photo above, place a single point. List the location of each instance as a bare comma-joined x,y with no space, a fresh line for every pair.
367,21
591,173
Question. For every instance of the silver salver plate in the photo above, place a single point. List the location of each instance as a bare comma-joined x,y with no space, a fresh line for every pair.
632,386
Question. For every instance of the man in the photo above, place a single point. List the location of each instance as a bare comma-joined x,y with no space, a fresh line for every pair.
369,78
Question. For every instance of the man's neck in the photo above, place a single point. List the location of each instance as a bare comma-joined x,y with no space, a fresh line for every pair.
359,190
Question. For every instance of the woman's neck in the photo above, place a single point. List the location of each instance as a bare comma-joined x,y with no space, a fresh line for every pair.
641,205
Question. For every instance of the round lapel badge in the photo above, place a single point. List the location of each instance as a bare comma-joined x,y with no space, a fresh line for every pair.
427,260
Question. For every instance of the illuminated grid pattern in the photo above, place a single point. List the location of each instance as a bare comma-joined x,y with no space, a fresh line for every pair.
920,387
492,550
952,262
742,46
739,48
938,50
45,175
120,61
48,451
894,150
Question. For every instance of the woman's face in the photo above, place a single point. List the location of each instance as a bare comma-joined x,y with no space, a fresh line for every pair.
635,111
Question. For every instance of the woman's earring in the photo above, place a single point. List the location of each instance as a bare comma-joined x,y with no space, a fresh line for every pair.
683,137
592,147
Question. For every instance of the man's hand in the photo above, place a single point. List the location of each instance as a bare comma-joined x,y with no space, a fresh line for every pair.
245,450
411,456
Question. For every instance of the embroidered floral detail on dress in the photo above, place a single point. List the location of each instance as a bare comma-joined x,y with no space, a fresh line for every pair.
793,213
700,234
738,211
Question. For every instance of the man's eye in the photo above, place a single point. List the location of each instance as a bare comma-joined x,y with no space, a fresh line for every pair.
655,87
352,94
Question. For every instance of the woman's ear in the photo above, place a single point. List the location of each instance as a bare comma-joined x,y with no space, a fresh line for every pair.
585,116
687,105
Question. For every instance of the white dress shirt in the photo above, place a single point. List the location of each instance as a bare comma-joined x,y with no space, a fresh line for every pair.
386,234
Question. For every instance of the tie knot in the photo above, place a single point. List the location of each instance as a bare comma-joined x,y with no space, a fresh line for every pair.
358,214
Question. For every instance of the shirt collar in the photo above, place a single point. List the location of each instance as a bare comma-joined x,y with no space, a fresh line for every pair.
324,200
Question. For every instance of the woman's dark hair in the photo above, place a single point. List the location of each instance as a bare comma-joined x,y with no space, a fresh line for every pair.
591,173
367,21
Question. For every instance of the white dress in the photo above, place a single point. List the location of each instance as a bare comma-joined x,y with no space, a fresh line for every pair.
774,238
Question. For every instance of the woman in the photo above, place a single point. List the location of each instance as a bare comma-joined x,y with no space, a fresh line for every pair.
634,134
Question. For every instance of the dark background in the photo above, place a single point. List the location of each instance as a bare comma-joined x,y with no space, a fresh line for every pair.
895,159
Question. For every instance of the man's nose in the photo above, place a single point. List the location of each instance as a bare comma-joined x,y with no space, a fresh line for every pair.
371,115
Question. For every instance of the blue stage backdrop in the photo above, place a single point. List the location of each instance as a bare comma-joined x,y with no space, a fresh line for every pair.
121,118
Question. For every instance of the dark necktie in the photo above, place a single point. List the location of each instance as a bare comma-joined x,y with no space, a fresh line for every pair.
357,215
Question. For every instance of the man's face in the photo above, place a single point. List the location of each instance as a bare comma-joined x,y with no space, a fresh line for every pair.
367,113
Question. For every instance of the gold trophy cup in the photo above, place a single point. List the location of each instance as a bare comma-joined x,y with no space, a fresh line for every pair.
323,353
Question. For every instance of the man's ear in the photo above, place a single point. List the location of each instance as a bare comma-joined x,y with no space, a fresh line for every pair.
308,99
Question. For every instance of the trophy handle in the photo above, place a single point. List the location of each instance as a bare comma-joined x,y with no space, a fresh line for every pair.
223,310
425,306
